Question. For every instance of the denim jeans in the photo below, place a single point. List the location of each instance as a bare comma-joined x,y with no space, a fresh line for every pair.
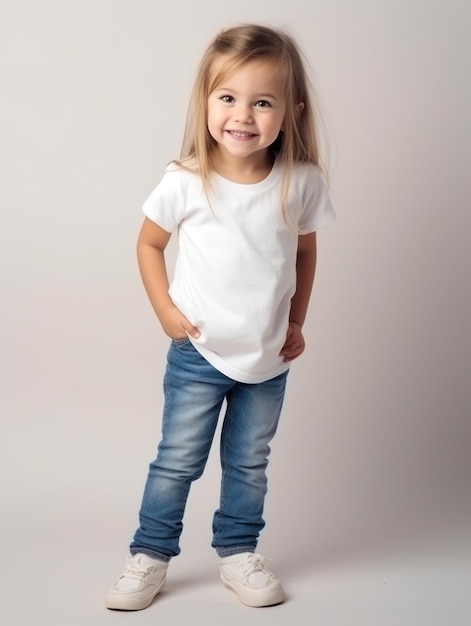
194,394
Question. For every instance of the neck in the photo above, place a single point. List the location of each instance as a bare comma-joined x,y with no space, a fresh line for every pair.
246,171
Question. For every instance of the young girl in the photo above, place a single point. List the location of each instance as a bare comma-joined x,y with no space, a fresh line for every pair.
246,199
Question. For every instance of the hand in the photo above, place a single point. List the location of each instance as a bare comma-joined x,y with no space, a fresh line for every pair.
294,343
176,325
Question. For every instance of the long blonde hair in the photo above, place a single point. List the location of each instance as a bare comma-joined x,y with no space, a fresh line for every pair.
298,142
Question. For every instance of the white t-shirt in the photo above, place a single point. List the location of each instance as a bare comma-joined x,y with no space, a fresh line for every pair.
235,272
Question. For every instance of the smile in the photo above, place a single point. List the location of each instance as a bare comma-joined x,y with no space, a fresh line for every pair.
241,134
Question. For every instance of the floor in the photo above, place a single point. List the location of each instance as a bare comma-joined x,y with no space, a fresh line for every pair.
54,573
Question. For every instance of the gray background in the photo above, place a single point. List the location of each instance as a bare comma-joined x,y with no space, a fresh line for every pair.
369,510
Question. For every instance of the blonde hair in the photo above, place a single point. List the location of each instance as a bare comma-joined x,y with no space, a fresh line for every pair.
297,142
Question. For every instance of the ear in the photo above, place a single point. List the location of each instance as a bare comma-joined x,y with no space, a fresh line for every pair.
297,110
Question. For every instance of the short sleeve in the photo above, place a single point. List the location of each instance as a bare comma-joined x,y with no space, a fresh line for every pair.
316,207
165,204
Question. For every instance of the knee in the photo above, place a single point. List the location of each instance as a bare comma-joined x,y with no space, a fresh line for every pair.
178,464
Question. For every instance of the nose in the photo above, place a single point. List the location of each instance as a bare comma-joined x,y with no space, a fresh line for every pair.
243,113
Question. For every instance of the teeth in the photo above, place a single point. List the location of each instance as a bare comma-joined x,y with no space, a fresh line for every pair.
238,134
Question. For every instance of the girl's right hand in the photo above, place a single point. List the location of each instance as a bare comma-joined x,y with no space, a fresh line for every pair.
176,325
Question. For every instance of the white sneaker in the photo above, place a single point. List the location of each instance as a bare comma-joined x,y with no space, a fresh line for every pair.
253,583
138,585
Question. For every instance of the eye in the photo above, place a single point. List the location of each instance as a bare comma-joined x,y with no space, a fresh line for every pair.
262,104
227,99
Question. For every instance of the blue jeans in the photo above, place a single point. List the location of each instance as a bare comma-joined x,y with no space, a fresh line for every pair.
194,393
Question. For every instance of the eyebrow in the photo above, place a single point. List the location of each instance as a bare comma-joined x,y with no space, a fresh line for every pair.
260,95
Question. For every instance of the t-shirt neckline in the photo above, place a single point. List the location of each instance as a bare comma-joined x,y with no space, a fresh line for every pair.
261,185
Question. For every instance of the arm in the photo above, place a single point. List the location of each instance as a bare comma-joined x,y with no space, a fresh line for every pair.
305,271
151,244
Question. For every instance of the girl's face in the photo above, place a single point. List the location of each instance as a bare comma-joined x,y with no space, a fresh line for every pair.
246,112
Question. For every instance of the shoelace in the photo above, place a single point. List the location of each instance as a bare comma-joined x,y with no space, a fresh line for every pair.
255,563
133,571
